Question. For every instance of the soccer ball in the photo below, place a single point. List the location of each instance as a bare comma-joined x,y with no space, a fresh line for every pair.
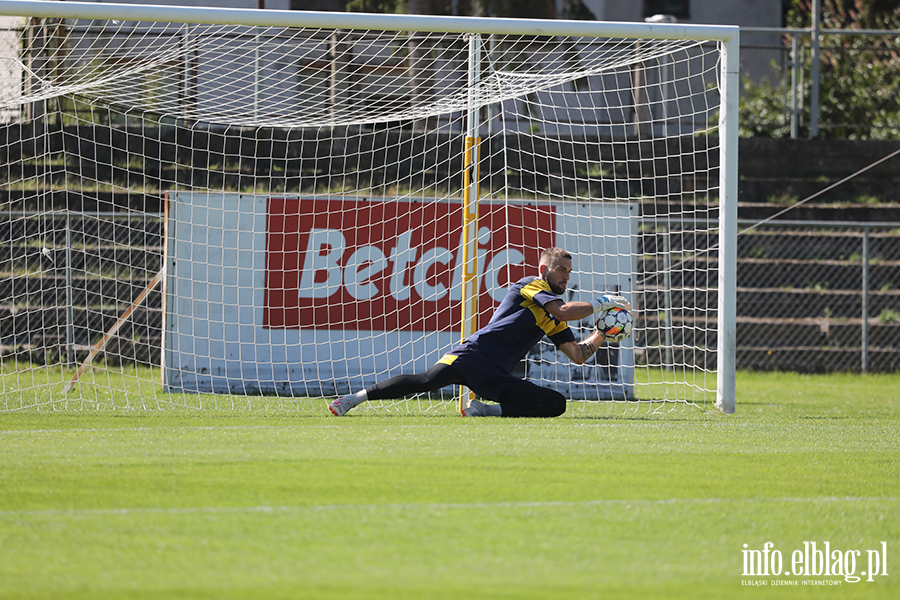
615,324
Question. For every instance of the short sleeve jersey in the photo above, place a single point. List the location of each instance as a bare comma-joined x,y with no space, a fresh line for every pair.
517,325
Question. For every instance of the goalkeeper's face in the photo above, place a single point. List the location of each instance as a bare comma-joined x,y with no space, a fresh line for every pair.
556,274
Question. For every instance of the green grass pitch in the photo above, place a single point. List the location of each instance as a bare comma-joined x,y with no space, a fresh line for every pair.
620,501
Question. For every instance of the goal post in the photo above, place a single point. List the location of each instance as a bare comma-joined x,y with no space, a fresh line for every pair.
336,198
728,217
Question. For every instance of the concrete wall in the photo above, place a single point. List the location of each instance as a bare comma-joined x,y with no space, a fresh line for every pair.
758,50
270,4
746,13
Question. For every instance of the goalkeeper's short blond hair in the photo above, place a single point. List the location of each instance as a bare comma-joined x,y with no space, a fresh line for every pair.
551,255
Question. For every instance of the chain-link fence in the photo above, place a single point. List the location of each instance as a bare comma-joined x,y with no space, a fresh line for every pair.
819,296
812,296
65,276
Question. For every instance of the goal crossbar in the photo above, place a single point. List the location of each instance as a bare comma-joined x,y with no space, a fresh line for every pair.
348,20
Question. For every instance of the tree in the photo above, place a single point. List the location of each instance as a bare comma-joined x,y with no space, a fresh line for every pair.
859,75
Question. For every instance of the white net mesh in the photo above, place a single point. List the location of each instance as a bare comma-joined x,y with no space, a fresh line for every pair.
194,209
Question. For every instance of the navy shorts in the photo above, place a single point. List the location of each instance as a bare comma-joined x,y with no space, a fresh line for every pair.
483,376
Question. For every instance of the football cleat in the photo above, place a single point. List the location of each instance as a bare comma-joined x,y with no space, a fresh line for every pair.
475,409
340,406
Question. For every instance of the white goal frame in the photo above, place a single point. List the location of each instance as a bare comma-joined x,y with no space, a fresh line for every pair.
727,36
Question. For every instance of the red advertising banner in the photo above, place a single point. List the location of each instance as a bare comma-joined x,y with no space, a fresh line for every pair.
391,265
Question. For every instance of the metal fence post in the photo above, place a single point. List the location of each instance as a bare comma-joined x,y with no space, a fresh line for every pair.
667,295
814,83
865,300
70,313
795,67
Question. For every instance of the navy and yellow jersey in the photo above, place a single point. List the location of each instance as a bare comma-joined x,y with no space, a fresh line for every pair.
518,324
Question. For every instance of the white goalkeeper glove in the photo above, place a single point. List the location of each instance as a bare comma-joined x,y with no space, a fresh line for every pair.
608,302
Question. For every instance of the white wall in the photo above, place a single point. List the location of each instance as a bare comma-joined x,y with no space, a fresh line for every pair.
10,71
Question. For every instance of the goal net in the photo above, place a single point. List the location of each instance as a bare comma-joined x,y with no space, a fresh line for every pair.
257,208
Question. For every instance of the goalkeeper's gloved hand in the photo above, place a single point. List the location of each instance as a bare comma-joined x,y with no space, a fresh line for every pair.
609,301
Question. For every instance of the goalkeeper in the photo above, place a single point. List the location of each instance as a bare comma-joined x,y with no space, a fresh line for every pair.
533,307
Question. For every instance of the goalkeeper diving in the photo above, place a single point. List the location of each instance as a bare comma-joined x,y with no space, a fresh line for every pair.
532,308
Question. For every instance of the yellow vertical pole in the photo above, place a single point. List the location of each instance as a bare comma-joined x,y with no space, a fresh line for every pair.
470,235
